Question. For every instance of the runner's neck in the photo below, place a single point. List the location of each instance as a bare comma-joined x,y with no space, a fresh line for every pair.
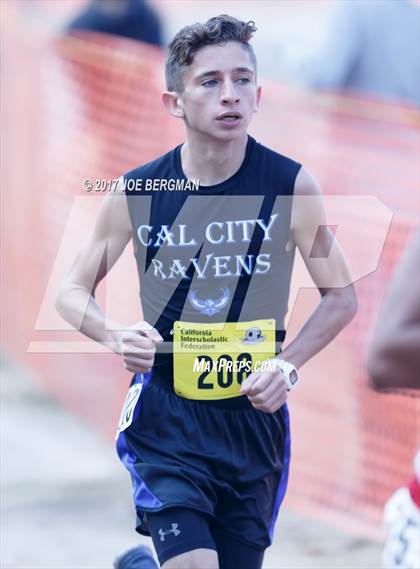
212,163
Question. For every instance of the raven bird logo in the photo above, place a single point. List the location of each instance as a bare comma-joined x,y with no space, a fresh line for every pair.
209,306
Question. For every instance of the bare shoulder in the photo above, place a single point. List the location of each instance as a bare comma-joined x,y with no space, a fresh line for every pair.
306,184
114,218
308,204
402,301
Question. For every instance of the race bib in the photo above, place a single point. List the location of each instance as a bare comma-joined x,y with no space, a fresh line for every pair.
212,360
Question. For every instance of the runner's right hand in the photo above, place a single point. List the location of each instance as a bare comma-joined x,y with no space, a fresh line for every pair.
138,347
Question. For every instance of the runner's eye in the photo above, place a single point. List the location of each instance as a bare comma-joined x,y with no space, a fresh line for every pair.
209,83
243,80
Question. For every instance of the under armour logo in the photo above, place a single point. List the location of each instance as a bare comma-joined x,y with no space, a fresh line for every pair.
174,530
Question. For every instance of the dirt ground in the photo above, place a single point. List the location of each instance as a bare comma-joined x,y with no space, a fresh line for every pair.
66,499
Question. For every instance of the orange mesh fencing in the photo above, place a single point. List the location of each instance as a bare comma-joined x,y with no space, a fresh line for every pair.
94,111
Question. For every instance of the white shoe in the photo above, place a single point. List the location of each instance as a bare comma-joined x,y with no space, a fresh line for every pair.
402,523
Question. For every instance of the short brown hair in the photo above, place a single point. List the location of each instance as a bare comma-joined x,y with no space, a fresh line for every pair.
216,31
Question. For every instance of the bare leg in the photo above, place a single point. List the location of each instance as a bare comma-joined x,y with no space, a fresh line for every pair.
195,559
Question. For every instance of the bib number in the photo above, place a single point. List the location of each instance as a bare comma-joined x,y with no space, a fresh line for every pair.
212,360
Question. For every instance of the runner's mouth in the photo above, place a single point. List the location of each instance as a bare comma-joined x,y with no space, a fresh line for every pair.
229,117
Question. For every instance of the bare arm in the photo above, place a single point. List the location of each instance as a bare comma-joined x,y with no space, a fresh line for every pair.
328,269
76,301
394,355
325,262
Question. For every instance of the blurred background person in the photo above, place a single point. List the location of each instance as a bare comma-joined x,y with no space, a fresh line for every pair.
394,364
394,354
402,523
99,30
134,19
369,48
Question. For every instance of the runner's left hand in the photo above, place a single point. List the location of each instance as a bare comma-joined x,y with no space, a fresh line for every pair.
266,390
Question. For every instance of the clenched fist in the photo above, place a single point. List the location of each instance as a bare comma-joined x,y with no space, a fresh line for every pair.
266,390
138,347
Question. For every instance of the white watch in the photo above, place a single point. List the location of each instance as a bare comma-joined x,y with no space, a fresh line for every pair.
288,370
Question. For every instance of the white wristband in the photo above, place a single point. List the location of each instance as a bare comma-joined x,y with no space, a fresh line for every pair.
288,370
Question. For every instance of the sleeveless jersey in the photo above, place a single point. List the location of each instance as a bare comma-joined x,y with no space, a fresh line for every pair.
212,254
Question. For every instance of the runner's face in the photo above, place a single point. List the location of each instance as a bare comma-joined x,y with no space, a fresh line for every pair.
220,91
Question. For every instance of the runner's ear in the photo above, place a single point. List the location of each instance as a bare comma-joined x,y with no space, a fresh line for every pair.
257,100
173,104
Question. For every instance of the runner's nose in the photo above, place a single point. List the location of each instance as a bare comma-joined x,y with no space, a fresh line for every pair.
229,93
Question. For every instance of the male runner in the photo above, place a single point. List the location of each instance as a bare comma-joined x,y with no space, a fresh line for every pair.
394,358
204,431
394,367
